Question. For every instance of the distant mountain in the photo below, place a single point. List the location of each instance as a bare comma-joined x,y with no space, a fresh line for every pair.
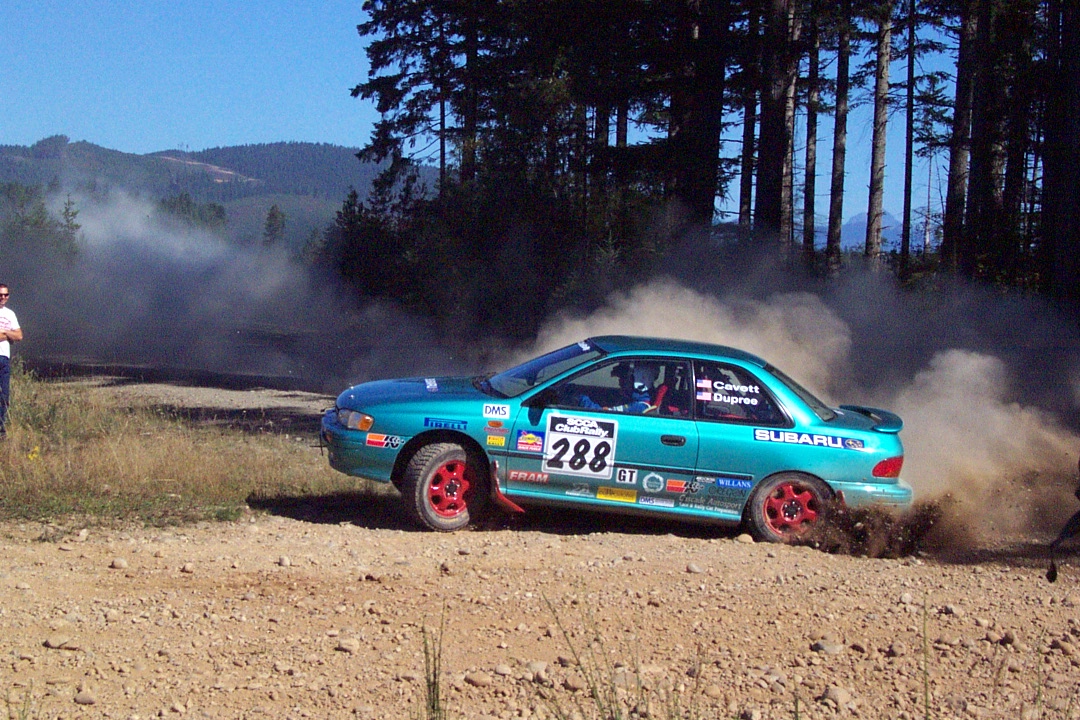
853,233
307,181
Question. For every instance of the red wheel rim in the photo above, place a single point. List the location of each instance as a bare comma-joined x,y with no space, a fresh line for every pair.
791,508
447,489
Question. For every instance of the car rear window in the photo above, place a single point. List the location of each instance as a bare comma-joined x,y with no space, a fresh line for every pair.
820,409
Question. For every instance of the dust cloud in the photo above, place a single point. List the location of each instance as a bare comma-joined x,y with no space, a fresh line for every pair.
977,438
142,291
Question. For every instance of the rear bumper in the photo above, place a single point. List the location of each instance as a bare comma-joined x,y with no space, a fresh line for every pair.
861,494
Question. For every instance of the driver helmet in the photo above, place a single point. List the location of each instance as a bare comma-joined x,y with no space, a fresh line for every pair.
645,377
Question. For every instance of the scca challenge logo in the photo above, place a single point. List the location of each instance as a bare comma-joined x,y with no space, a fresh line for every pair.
580,446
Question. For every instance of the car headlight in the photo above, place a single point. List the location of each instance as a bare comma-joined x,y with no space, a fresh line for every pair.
355,420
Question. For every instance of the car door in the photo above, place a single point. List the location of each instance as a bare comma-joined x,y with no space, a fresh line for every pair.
729,403
591,442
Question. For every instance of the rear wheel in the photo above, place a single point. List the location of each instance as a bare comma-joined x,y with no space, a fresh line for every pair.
785,506
443,487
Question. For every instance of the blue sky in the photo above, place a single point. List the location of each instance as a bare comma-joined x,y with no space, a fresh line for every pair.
146,75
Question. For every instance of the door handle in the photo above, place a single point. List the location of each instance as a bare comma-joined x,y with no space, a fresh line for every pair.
674,440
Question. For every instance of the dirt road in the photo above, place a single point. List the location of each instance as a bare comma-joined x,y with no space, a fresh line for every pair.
316,610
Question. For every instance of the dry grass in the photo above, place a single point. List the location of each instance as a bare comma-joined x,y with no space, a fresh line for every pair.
73,452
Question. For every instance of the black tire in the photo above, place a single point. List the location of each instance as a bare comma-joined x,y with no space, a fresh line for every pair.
444,488
784,507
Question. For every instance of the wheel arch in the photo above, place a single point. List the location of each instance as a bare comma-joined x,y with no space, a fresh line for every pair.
752,496
472,449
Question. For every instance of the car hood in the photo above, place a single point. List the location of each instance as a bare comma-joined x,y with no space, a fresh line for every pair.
409,390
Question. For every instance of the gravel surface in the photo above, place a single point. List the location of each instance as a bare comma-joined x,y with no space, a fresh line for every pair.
292,615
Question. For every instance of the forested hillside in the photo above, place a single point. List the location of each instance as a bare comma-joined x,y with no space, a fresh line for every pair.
307,182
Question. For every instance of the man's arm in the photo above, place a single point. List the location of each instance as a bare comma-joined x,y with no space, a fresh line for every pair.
12,335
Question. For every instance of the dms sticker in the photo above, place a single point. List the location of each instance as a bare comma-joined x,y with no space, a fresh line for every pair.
580,446
496,411
794,438
656,501
383,441
529,441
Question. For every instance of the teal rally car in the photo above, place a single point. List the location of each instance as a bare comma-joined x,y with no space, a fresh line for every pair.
621,424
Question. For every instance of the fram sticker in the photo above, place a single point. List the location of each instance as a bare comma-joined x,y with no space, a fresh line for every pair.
527,477
616,494
794,438
530,441
496,411
383,441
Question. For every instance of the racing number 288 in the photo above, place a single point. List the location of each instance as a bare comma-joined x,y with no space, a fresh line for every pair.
580,455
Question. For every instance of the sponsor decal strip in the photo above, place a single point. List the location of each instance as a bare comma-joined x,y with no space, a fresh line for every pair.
444,424
383,441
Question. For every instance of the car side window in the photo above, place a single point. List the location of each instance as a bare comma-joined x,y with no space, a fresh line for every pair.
731,394
634,386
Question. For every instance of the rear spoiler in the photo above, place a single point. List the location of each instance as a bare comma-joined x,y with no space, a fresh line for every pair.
884,421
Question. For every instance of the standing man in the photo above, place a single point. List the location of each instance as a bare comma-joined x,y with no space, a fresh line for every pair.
9,332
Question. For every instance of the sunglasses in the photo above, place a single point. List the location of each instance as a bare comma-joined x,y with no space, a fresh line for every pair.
5,294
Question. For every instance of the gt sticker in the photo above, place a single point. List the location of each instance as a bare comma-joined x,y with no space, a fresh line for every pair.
625,476
794,438
496,411
652,483
527,477
530,441
383,441
616,494
580,446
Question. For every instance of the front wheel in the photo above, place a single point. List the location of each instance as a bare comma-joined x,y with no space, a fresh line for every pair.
443,488
785,506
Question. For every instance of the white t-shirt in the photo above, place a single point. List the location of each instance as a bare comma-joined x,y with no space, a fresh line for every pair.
8,321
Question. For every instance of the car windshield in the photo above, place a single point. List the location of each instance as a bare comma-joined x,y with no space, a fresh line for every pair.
822,410
517,380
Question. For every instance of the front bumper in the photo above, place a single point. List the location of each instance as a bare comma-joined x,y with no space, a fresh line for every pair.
349,452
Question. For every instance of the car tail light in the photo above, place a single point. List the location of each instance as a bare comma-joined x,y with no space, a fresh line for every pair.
889,468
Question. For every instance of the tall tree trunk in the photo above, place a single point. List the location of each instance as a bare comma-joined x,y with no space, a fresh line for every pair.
751,79
839,153
960,139
881,124
697,111
787,197
813,96
909,143
779,67
470,94
1061,203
